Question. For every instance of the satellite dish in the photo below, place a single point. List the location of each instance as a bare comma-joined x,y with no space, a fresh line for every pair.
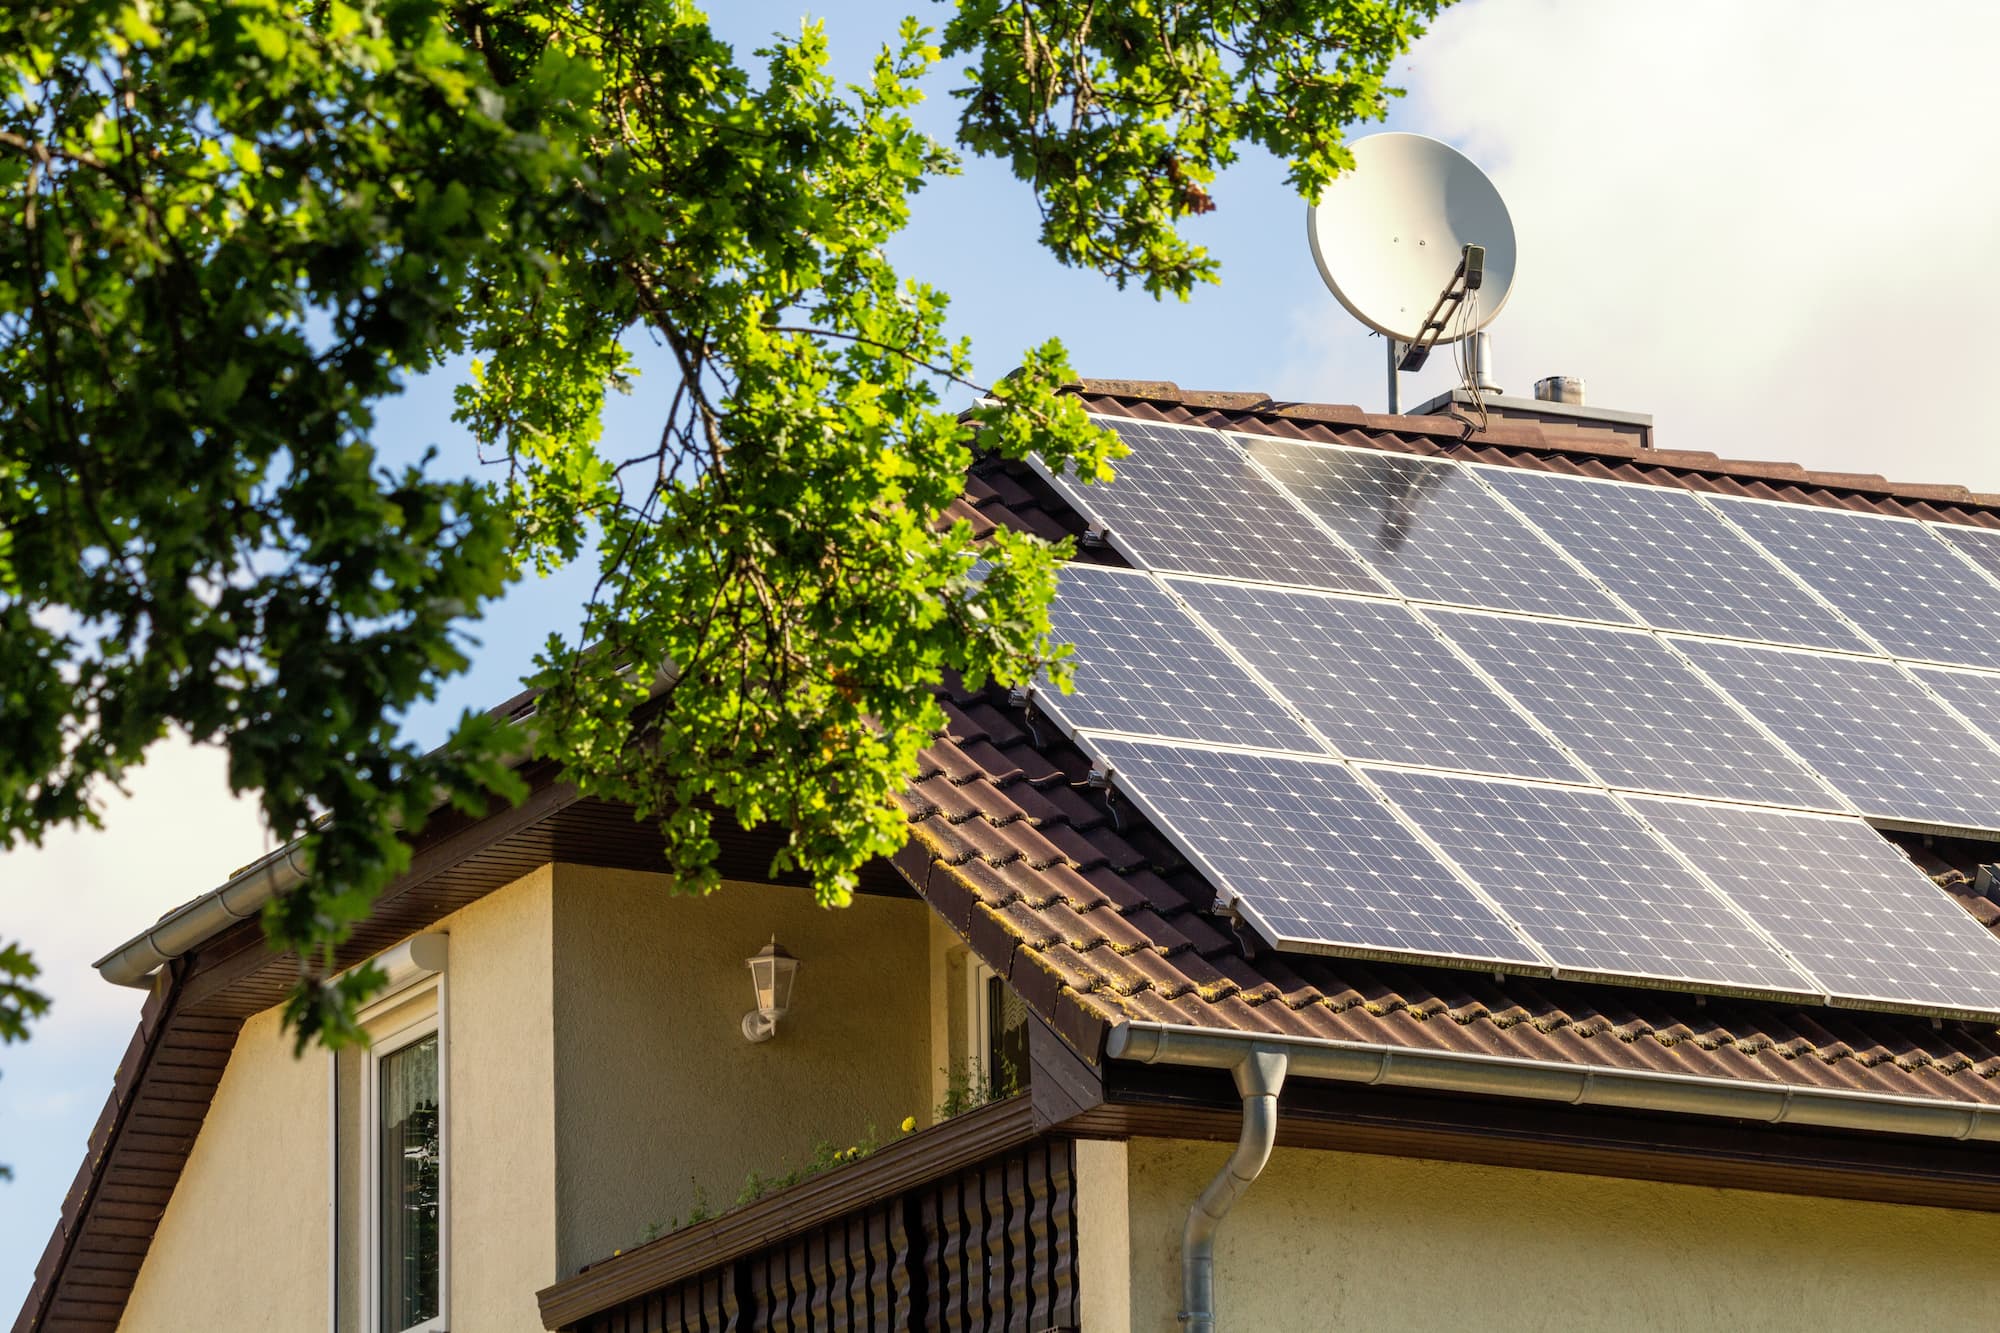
1390,234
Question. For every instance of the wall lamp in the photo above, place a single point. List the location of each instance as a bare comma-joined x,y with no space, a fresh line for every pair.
772,972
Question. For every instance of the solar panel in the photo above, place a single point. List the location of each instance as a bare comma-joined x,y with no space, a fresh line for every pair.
1867,727
1847,905
1316,860
1375,680
1632,710
1186,499
1143,665
1979,545
1974,694
1672,559
1588,883
1432,531
1904,587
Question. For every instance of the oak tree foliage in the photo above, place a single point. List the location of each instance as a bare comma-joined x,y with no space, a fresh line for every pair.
231,225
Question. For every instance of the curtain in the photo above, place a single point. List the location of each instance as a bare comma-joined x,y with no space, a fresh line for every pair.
411,1174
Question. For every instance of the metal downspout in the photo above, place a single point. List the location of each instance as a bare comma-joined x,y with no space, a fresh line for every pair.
1259,1076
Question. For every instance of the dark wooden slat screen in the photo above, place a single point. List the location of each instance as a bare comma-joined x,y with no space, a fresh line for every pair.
991,1248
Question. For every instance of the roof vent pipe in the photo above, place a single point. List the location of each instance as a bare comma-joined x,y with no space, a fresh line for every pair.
1560,389
1259,1076
1479,363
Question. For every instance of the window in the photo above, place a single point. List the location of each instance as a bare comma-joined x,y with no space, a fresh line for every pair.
408,1158
1002,1036
405,1142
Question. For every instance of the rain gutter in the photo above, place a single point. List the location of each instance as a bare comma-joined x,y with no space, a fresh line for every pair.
244,894
192,924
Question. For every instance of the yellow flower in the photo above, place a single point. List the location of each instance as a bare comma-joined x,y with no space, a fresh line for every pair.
909,1124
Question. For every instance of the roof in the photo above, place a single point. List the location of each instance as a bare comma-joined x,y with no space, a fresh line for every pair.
1095,921
1092,920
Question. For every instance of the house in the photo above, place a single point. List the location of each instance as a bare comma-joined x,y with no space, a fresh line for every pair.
564,1103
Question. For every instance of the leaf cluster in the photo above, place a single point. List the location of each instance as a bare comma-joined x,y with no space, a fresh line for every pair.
237,226
1120,115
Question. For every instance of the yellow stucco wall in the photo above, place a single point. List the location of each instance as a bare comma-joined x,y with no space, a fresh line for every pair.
1335,1240
241,1244
502,1159
659,1095
244,1242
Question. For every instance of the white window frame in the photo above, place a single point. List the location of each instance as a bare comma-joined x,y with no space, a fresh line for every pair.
393,1022
981,1010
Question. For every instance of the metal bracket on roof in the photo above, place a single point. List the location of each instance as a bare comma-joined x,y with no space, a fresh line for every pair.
1100,777
1986,883
1017,695
1465,280
1094,537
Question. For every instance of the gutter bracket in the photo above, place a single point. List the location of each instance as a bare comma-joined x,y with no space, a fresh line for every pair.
1259,1076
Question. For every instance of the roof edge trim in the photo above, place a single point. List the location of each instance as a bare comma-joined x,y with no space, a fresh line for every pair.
193,924
1575,1084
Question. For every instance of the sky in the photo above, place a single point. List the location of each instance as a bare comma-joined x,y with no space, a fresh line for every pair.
1766,225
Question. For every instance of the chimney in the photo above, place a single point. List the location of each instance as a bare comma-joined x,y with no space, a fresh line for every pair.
1560,389
1558,403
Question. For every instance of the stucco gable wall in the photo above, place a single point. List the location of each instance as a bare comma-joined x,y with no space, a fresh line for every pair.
661,1103
242,1244
244,1241
1336,1240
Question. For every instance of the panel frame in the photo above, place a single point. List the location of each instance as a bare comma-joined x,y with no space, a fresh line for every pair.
1832,998
1561,556
1244,909
1909,670
1723,505
1077,495
1784,571
1841,804
1473,668
1054,702
1643,980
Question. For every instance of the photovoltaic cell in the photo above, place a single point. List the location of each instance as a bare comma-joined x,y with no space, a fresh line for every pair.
1632,710
1431,530
1375,680
1672,559
1867,728
1846,904
1185,499
1904,587
1316,859
1588,883
1143,665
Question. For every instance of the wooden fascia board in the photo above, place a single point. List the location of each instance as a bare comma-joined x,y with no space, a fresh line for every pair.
1201,1104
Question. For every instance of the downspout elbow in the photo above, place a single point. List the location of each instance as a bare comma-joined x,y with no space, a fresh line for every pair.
1259,1076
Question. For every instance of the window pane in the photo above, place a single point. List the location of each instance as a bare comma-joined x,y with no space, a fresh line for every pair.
409,1182
1006,1039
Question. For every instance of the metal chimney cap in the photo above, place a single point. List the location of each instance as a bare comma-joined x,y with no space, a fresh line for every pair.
1560,389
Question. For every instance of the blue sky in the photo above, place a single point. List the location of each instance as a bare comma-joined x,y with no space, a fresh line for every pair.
1745,220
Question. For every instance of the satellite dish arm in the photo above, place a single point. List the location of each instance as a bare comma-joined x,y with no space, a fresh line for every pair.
1465,280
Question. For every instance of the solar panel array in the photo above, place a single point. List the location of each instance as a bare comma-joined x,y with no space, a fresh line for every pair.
1405,707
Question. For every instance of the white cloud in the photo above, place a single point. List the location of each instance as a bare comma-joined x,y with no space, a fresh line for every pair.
1767,225
176,835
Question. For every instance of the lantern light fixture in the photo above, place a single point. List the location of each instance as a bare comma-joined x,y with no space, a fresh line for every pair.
772,971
